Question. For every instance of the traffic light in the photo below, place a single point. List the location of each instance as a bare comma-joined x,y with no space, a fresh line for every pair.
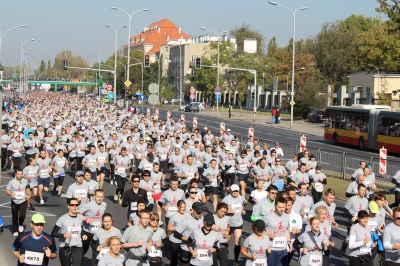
65,64
198,63
146,60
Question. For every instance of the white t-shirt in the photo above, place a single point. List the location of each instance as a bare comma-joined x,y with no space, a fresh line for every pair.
257,195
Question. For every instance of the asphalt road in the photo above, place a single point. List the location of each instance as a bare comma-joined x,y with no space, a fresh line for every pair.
55,207
331,157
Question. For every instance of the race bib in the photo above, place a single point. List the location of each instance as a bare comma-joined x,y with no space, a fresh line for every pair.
133,206
199,164
374,225
172,210
261,260
16,153
319,187
121,170
237,208
92,162
80,193
202,254
155,252
32,174
365,250
139,156
102,253
44,172
243,167
163,157
315,260
60,163
149,195
74,231
279,242
311,171
130,156
148,166
95,226
33,258
58,127
190,175
19,195
48,146
101,159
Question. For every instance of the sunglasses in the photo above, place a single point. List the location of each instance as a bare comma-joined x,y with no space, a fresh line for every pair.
277,161
273,193
398,218
193,192
146,175
38,224
141,140
74,205
155,220
136,181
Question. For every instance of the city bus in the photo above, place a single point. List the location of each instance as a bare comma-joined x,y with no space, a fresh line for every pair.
364,126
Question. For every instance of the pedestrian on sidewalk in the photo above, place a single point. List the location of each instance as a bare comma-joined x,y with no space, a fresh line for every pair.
273,113
277,116
230,111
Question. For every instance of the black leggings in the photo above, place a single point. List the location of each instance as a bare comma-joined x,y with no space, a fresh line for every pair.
396,200
3,157
112,172
174,250
58,182
17,161
18,209
121,181
229,179
221,256
316,195
79,163
86,243
71,256
355,261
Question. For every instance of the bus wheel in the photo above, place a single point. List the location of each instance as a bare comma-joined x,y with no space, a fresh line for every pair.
335,139
361,143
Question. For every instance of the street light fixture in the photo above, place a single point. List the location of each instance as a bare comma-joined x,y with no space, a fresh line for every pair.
115,60
287,77
129,33
219,36
2,36
20,67
294,48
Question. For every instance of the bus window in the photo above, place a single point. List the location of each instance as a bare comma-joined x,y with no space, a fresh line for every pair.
384,125
364,122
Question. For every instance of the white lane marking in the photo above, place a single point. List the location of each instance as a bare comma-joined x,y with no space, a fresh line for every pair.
4,186
344,230
44,213
5,203
291,138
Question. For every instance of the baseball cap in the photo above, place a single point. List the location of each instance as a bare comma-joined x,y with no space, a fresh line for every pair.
214,151
259,225
227,148
79,173
373,207
215,143
228,130
198,207
38,218
234,187
60,139
209,219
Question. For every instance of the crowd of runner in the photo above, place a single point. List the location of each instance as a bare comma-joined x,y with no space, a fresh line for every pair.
164,173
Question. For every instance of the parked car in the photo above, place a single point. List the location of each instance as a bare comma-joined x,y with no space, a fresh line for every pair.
174,101
317,116
201,106
190,107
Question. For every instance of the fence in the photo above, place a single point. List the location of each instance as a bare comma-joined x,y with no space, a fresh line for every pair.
338,164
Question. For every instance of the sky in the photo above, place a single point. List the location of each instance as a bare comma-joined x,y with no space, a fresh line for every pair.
79,26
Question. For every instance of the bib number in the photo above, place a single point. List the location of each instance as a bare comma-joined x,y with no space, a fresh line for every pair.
121,170
237,208
44,172
74,231
33,258
80,193
155,252
365,250
202,254
133,206
319,187
92,162
103,252
199,164
149,195
130,156
148,167
279,242
315,260
374,225
19,195
163,157
243,167
60,163
95,226
260,261
172,210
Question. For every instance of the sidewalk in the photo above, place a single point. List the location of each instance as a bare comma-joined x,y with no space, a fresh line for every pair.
265,118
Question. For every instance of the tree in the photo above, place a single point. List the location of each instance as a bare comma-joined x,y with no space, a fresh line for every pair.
272,48
75,61
245,31
391,8
42,68
48,66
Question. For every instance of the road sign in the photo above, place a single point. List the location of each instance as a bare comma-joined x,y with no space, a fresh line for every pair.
217,96
128,83
217,89
110,95
103,91
169,116
192,96
334,95
153,88
109,87
194,122
222,128
120,103
292,103
382,160
192,90
142,98
251,132
183,117
138,93
153,99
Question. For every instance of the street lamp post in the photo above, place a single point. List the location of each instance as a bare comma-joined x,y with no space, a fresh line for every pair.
287,77
115,60
129,34
20,68
2,36
219,36
294,48
25,71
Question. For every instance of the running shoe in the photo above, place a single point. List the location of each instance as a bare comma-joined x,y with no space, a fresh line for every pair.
115,197
21,228
41,202
15,234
